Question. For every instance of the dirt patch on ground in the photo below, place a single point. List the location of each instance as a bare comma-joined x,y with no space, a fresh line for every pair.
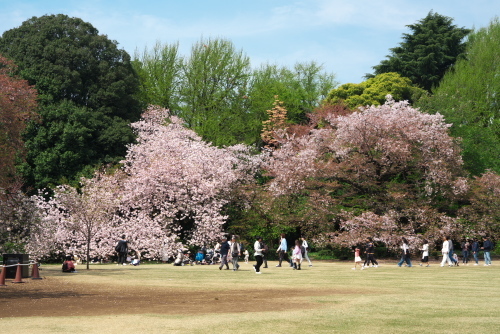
55,297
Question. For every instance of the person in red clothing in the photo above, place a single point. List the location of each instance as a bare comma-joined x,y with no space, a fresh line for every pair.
68,265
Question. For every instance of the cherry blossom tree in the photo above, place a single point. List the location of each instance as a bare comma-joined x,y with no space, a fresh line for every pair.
378,164
17,107
181,182
17,216
482,216
169,193
78,221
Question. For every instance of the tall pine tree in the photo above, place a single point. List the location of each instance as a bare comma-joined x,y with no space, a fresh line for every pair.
426,53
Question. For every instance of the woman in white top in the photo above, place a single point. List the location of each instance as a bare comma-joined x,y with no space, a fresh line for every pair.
445,250
425,254
306,247
258,248
405,255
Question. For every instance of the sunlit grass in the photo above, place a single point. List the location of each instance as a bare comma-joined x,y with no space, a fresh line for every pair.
387,299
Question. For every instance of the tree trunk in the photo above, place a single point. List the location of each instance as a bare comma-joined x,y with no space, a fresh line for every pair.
88,252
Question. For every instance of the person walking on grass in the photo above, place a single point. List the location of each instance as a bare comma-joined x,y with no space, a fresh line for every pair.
487,247
257,246
475,251
282,251
370,254
297,255
405,255
425,254
445,250
224,251
235,251
357,258
265,250
306,251
451,254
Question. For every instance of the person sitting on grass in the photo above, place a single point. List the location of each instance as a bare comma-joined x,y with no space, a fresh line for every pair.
68,265
135,261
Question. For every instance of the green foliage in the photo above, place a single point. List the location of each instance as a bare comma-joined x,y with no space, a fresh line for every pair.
256,214
374,90
301,89
159,73
468,97
212,91
60,152
219,96
86,87
428,52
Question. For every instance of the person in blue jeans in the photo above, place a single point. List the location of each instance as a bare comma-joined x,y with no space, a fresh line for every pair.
487,247
475,251
450,254
405,255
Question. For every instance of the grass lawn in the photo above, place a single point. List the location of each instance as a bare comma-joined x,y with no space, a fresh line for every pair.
329,297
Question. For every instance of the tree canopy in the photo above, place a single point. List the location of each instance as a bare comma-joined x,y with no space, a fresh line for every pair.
426,53
169,193
220,96
468,96
374,91
86,88
17,106
389,163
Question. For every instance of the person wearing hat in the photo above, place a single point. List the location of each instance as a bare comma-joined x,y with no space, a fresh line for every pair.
257,246
224,250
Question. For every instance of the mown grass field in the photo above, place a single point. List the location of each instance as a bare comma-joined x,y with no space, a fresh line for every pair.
329,297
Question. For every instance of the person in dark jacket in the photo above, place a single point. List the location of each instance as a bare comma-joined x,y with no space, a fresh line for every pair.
475,251
370,254
224,249
487,247
122,250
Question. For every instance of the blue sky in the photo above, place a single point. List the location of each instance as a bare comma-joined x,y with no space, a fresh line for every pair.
347,37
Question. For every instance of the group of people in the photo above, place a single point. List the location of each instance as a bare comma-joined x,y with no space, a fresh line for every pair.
231,251
469,246
370,255
299,252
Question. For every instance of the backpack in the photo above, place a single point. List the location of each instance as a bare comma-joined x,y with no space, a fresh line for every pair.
303,250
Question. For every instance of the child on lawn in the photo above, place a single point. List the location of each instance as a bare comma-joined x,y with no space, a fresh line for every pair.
247,255
357,258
